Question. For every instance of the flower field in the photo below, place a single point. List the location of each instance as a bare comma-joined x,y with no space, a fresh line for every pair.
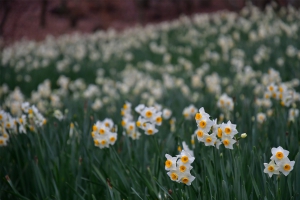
202,107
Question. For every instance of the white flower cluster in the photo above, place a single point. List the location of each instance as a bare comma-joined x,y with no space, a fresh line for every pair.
179,167
293,113
149,118
279,162
34,116
13,101
166,113
261,117
128,123
272,88
282,92
189,112
30,118
225,103
4,137
187,149
212,81
220,133
104,133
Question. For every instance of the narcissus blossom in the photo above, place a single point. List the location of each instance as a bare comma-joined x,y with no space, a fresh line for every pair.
228,142
170,163
278,154
286,166
261,117
104,133
271,168
213,134
179,167
279,162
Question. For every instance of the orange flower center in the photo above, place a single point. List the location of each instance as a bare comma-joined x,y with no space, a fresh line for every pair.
184,159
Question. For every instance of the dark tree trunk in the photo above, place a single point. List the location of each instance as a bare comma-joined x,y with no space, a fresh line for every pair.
177,5
63,4
142,6
204,3
43,13
7,8
189,6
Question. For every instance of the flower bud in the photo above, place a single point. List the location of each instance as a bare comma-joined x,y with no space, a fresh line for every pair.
244,135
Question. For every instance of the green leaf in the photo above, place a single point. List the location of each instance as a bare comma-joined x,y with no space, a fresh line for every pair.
163,188
225,190
99,174
75,191
149,186
15,192
255,186
135,192
211,175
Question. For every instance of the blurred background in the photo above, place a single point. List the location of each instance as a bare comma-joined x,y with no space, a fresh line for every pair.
35,19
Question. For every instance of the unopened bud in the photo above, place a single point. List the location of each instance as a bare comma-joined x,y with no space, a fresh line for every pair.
179,148
244,135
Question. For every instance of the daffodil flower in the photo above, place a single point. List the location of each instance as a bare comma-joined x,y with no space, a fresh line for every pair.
278,154
271,168
285,166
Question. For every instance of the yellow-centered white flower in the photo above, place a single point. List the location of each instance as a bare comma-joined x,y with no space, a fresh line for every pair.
209,140
170,163
271,168
285,166
228,129
278,154
205,124
228,142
